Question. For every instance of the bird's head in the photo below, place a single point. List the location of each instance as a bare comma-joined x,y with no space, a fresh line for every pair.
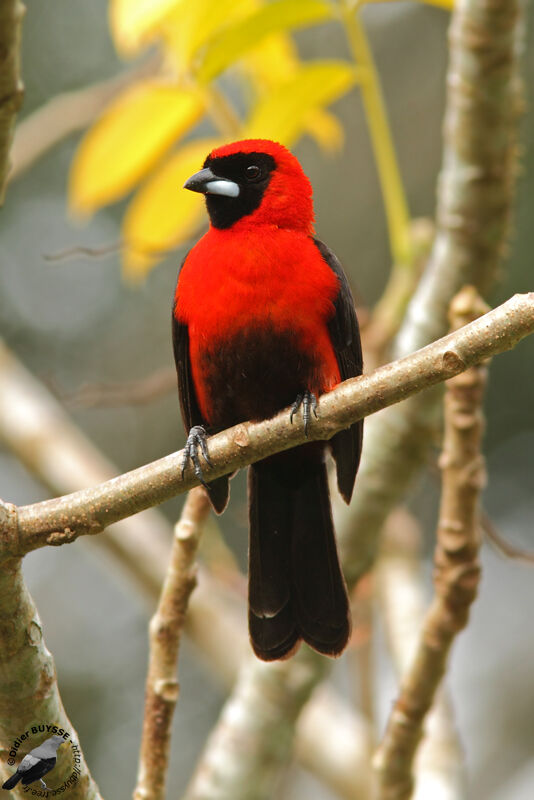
56,741
256,181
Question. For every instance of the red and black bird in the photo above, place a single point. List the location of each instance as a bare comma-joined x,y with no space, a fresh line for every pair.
263,318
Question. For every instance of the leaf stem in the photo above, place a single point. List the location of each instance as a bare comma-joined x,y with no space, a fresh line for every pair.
221,112
397,212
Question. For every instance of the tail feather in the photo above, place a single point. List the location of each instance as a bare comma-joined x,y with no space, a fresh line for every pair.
11,782
318,587
296,588
271,620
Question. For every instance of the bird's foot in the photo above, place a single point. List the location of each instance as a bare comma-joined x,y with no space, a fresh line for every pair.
308,401
43,785
196,439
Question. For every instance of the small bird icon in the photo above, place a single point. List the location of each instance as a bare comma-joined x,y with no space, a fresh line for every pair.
37,763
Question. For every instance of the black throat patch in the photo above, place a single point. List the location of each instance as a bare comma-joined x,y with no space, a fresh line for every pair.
252,173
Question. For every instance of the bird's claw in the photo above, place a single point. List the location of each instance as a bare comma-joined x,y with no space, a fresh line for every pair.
43,785
308,401
196,439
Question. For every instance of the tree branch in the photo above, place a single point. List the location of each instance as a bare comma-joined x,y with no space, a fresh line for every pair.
475,195
63,519
37,430
166,626
439,767
11,89
239,757
482,172
457,569
28,688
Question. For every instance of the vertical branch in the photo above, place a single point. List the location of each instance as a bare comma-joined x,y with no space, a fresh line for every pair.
475,195
478,175
457,569
28,684
165,631
11,91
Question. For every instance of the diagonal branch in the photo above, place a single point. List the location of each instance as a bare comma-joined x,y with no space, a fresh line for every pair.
62,520
238,758
456,574
35,428
439,769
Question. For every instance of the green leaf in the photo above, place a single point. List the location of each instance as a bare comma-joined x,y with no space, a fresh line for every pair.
283,115
229,45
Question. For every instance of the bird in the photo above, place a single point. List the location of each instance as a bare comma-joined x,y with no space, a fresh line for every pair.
264,319
36,763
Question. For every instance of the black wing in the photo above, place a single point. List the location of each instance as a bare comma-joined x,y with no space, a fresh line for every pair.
191,415
345,336
43,766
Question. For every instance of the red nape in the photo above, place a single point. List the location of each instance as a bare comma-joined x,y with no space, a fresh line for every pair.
288,201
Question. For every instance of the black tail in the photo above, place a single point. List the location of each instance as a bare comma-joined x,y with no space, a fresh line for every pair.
11,782
296,588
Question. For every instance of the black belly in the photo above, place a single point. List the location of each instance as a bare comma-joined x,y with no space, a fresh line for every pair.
255,374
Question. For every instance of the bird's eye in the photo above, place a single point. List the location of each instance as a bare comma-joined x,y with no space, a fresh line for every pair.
253,172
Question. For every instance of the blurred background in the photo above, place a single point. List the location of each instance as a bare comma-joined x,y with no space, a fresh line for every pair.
76,322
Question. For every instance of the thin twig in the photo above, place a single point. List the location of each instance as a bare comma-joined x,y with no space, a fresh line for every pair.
166,626
501,544
63,519
457,569
127,393
80,250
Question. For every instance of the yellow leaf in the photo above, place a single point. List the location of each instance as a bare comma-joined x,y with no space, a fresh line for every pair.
163,215
236,40
125,143
326,129
134,22
448,5
283,114
271,62
197,21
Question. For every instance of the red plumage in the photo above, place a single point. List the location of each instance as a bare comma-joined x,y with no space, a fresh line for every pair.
256,292
263,314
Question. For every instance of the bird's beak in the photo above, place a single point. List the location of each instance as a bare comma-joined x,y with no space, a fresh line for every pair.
207,182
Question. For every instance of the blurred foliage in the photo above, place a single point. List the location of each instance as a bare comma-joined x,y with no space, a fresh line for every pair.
140,141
